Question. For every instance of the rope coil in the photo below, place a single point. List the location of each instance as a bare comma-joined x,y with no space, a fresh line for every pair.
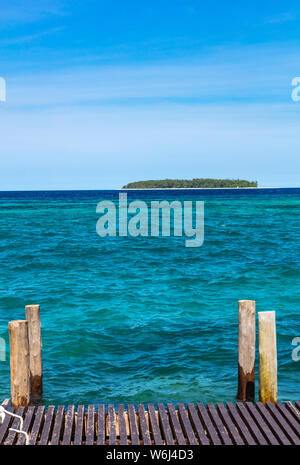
3,414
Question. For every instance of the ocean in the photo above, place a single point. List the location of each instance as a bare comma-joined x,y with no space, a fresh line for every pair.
146,319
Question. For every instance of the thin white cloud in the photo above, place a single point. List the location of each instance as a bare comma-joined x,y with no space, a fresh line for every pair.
16,12
228,115
73,147
252,74
29,38
281,18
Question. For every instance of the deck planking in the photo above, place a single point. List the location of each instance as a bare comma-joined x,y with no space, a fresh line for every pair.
242,423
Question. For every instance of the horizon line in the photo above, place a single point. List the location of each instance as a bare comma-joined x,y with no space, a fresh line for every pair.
151,189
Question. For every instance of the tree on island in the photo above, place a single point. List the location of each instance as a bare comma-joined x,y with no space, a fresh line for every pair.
196,183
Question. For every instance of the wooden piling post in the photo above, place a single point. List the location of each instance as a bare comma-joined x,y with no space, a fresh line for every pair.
19,363
35,349
268,391
246,350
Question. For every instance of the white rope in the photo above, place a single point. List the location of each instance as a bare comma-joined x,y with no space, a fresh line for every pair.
4,412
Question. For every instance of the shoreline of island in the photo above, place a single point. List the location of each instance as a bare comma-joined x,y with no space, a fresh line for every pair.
195,188
194,183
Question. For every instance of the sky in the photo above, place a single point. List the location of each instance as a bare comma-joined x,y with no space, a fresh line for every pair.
103,93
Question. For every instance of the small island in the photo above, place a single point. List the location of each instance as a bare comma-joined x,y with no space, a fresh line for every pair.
196,183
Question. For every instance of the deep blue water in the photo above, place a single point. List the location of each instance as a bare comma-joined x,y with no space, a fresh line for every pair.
147,319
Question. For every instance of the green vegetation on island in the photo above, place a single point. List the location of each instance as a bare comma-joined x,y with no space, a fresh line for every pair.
195,183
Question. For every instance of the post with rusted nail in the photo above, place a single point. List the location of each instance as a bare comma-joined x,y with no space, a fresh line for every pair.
35,350
268,391
19,363
246,350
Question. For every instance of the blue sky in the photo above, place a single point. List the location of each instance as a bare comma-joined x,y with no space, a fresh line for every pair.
101,93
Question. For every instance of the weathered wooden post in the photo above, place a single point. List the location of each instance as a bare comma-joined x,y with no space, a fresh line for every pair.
19,363
35,349
268,391
246,350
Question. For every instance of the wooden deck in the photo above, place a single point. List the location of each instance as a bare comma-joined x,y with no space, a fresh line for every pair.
161,424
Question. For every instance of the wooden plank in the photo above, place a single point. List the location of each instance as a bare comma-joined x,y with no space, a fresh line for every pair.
56,434
101,425
165,425
46,431
208,425
293,410
186,425
175,425
297,405
268,390
265,424
35,350
283,424
240,425
279,434
6,424
19,363
112,430
251,425
231,428
246,350
27,424
37,424
68,426
219,424
79,427
16,425
134,433
197,425
293,421
90,427
154,426
144,425
247,423
122,425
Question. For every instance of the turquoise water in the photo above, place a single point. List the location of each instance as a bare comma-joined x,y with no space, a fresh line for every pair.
147,319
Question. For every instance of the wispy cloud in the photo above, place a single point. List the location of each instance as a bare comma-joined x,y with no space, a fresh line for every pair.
280,18
17,12
248,74
226,115
29,38
106,147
